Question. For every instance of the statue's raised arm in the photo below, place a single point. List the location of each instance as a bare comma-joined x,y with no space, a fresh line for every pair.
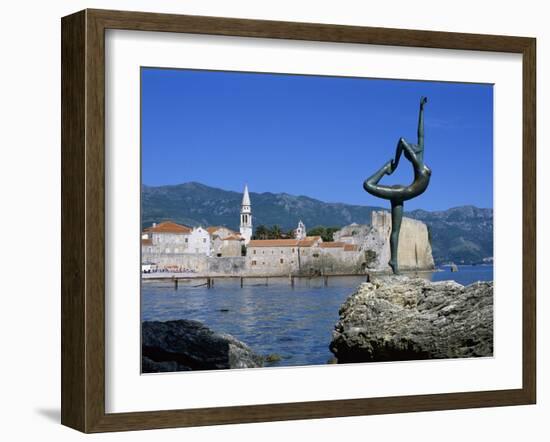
398,194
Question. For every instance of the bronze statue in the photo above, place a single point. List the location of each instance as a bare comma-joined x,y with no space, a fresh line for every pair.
398,194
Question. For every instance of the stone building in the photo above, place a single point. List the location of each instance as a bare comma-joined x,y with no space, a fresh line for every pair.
221,231
280,256
225,242
169,244
200,242
166,237
307,256
226,247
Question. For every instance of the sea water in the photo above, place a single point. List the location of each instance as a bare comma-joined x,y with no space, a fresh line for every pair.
294,323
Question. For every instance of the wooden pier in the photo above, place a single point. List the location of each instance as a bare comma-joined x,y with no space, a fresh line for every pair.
209,281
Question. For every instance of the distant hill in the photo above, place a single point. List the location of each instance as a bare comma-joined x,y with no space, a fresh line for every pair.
462,234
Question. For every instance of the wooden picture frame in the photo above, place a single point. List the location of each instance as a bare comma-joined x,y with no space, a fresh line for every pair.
83,220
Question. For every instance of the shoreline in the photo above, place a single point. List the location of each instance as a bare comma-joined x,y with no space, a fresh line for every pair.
171,276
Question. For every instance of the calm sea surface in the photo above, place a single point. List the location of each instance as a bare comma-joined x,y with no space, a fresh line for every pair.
294,323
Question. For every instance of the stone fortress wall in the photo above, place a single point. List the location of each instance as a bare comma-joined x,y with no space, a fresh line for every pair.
414,251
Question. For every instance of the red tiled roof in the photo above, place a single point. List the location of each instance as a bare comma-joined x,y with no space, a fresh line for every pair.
146,242
351,248
313,238
332,245
232,238
168,227
273,243
212,229
283,242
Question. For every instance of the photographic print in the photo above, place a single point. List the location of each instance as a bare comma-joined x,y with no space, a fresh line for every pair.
297,220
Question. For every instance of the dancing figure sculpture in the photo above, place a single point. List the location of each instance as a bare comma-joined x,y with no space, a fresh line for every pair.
398,194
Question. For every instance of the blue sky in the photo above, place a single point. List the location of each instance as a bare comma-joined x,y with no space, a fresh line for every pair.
314,136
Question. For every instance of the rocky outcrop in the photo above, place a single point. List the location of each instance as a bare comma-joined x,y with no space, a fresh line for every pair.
399,318
414,251
189,345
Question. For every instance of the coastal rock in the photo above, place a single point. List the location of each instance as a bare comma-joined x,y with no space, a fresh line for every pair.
414,252
189,345
399,318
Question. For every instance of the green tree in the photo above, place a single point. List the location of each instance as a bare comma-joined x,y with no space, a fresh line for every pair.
324,232
262,232
275,232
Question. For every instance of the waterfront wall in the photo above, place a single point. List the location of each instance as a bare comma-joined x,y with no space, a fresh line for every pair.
312,263
191,261
226,266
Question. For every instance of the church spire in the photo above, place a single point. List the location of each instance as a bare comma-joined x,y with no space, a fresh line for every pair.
246,197
246,217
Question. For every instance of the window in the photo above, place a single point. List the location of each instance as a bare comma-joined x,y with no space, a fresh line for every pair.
186,240
316,255
254,251
204,240
293,250
253,263
282,260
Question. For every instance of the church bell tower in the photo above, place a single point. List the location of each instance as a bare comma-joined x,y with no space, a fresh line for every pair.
246,217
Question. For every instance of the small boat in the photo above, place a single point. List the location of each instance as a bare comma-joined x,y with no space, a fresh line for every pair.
454,267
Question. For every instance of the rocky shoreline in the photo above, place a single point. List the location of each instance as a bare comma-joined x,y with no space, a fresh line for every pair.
398,318
185,345
391,318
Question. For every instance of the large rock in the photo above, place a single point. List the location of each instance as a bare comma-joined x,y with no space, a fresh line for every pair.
399,318
189,345
414,251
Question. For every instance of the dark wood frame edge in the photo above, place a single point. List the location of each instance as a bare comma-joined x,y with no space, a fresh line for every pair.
83,215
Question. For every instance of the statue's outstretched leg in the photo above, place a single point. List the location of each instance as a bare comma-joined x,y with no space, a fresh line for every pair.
396,217
371,183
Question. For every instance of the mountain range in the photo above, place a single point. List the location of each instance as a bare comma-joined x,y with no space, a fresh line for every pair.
461,234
